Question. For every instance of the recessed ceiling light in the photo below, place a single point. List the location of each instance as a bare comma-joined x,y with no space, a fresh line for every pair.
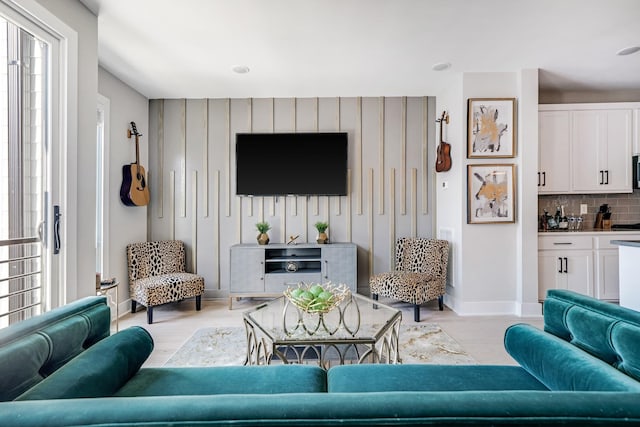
240,69
628,50
441,66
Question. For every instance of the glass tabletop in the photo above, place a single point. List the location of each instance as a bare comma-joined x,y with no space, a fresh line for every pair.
357,319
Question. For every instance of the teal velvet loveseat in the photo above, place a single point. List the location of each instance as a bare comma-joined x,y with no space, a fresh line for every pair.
583,369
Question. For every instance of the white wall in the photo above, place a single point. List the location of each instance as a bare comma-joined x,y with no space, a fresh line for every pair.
126,224
495,265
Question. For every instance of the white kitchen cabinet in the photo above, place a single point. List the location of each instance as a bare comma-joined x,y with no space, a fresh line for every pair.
565,262
601,151
586,148
553,152
590,261
608,275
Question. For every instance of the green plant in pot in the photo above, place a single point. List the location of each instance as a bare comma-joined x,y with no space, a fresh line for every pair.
322,232
263,237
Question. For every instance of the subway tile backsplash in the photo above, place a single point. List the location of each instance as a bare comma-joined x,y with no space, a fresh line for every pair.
625,208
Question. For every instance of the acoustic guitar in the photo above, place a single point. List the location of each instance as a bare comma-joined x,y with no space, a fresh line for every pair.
443,159
134,190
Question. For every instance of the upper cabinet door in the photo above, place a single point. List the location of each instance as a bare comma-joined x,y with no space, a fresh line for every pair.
601,145
554,135
587,142
619,136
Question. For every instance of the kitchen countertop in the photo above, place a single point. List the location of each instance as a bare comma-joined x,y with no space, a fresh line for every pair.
592,231
632,243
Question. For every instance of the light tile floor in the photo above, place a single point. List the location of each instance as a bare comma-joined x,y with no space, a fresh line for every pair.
480,336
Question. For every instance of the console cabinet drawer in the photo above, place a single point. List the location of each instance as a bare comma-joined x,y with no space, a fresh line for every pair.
565,242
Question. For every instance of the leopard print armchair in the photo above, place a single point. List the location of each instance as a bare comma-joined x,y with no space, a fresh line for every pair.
157,275
420,273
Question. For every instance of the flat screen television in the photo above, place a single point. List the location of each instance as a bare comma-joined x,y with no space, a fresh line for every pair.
282,164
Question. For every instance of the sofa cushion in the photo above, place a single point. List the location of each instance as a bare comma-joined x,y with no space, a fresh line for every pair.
99,371
560,365
226,380
378,378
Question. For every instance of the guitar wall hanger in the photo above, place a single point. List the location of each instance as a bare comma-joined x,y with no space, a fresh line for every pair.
134,190
443,159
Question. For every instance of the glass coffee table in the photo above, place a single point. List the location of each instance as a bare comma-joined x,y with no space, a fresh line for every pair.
359,330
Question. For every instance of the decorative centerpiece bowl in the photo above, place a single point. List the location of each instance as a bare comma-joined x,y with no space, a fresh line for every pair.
317,298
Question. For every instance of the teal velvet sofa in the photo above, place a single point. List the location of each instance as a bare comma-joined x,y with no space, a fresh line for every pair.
62,368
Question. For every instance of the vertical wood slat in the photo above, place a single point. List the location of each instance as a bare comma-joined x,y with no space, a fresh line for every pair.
149,214
194,221
294,205
160,192
183,160
359,156
425,152
347,208
250,127
337,199
414,202
172,205
403,158
205,162
272,200
216,225
381,156
227,147
316,127
239,219
283,219
370,213
392,217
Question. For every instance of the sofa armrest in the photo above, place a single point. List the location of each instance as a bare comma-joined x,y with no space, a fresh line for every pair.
562,366
99,371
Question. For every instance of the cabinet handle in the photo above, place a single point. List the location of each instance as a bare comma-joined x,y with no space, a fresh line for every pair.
560,259
566,265
563,243
538,179
326,269
601,177
607,176
544,179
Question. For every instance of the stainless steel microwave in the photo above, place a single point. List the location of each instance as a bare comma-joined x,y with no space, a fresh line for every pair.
636,172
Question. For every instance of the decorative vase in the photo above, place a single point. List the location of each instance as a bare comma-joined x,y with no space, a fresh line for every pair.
322,238
263,238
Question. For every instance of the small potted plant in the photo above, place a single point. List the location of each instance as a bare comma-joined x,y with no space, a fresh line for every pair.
263,237
322,235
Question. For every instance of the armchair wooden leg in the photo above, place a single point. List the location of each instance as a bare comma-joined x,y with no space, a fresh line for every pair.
198,302
441,303
133,306
149,315
416,312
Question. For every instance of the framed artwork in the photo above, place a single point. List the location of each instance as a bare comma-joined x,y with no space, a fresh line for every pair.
491,127
491,194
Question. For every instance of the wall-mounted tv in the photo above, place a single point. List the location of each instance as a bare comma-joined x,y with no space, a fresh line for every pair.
300,163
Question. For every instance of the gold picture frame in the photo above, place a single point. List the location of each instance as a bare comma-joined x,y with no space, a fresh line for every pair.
491,130
491,194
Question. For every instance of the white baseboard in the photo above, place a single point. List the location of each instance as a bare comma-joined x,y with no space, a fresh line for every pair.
492,308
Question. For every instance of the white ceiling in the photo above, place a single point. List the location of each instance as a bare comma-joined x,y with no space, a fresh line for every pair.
300,48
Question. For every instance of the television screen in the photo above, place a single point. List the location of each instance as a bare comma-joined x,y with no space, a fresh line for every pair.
279,164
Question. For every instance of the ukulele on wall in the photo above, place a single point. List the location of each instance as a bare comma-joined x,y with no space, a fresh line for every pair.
134,190
443,159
